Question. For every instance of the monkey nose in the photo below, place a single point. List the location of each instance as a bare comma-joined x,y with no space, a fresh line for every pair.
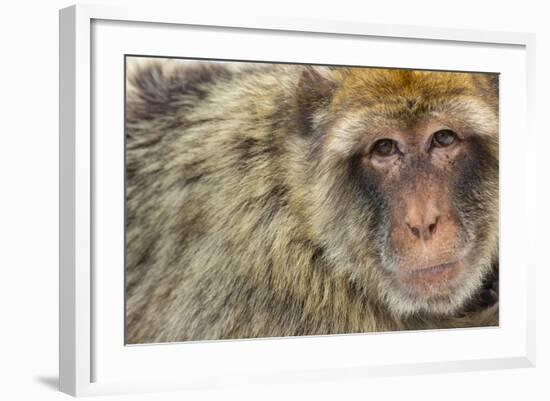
422,228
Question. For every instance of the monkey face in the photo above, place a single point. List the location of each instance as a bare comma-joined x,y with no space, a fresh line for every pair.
425,247
420,161
428,253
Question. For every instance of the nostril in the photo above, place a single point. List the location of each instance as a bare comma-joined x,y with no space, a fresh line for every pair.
432,227
415,231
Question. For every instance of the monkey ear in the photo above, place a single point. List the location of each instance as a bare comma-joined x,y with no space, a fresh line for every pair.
315,91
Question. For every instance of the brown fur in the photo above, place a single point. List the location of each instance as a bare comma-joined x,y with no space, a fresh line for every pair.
244,218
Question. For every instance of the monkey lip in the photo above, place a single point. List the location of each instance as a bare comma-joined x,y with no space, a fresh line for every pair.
432,280
434,270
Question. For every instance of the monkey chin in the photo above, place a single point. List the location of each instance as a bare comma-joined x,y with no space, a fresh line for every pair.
438,289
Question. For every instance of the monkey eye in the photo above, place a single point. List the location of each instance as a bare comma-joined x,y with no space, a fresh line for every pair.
385,147
444,137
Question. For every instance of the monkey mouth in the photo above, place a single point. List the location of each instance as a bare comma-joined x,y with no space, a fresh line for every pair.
433,280
435,270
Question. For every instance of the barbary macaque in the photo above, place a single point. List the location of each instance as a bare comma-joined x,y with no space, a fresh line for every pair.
285,200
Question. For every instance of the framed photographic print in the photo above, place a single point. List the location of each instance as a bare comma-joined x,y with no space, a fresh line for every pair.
249,201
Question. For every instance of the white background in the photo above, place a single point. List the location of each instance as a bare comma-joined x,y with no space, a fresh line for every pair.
29,186
113,362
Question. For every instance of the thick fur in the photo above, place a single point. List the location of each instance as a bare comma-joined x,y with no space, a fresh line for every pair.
243,215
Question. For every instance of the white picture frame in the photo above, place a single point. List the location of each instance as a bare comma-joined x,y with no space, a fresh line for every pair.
91,364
